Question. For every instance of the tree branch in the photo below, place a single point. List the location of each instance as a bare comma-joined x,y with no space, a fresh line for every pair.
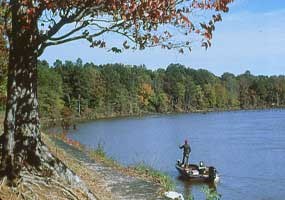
65,40
63,21
70,33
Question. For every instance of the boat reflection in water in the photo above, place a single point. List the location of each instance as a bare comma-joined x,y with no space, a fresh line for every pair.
191,188
192,174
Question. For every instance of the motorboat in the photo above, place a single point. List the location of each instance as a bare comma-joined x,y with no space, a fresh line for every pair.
198,172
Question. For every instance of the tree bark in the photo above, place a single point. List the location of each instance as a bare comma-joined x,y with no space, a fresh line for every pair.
21,141
21,138
22,146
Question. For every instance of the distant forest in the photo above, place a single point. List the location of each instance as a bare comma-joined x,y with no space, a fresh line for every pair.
96,91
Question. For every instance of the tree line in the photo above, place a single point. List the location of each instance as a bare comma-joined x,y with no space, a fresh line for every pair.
94,91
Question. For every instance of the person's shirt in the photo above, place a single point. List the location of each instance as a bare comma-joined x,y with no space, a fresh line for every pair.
186,148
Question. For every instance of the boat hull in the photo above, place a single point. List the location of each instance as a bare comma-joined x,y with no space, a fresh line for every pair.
194,173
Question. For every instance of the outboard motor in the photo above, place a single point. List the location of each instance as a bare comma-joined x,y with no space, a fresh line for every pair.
212,173
202,167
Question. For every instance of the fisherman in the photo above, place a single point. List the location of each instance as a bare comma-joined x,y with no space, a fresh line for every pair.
186,151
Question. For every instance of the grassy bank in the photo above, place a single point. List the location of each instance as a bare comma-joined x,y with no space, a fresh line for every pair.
141,170
90,177
163,179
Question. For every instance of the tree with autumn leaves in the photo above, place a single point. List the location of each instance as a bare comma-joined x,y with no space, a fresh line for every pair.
33,26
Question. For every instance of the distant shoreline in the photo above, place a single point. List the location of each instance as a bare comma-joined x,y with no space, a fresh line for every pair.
45,123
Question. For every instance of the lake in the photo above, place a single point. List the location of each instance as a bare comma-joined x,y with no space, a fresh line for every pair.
246,147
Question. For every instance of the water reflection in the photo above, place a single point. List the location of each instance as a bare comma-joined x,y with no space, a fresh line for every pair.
189,186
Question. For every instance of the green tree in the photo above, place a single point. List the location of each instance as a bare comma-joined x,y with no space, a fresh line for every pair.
232,87
96,89
203,77
244,89
190,89
221,95
198,100
159,99
175,85
49,91
210,95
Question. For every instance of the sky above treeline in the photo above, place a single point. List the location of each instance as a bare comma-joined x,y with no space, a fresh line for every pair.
250,37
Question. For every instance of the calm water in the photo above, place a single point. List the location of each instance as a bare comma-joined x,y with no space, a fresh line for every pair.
247,148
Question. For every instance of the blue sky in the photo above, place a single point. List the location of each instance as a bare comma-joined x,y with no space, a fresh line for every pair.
251,37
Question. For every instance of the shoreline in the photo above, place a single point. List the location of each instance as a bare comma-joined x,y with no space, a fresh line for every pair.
140,171
45,123
136,172
102,174
115,180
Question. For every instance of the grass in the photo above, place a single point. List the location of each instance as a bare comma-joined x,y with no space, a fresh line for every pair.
210,193
91,178
141,170
100,154
163,179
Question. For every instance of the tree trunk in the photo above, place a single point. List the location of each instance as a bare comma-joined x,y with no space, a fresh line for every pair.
21,141
79,105
21,137
22,146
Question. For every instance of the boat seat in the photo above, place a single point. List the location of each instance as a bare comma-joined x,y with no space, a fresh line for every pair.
195,172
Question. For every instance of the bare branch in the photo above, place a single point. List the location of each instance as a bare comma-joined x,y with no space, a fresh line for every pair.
85,24
75,38
63,21
65,40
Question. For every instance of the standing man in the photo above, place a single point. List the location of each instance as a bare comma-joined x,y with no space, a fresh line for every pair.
186,151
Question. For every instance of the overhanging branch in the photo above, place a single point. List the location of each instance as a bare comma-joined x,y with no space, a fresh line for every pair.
63,21
85,24
62,41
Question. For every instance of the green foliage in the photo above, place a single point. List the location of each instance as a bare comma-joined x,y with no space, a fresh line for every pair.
100,154
211,194
120,90
100,150
96,91
49,91
190,197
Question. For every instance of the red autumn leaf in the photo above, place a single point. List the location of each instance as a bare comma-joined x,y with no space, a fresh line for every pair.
185,19
155,39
